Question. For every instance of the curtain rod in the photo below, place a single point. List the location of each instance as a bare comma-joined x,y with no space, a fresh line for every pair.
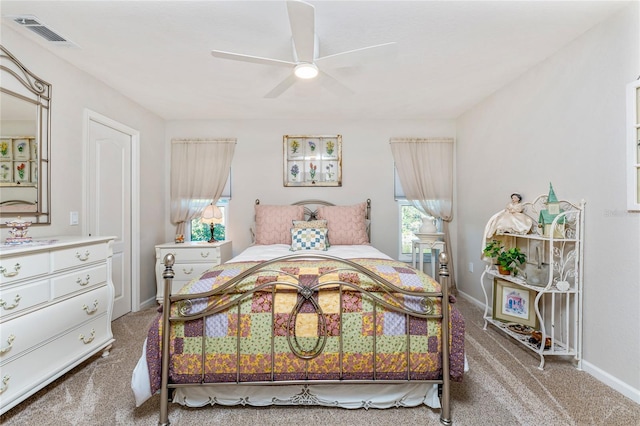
420,140
195,140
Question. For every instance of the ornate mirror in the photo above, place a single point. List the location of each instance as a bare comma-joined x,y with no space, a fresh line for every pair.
25,116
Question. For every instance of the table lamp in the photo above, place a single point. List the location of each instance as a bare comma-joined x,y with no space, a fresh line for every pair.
212,215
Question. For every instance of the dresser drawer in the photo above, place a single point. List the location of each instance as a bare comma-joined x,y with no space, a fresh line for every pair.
211,255
39,326
188,271
79,309
78,280
27,373
78,256
20,297
14,268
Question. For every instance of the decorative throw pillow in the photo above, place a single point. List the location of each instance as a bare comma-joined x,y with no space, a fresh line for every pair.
273,223
347,224
307,224
308,239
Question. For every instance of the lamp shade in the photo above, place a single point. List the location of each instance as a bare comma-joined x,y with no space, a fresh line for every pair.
211,214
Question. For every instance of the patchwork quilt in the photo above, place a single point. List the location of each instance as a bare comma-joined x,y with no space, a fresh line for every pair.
329,332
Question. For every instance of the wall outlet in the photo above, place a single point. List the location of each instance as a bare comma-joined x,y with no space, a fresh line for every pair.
73,218
470,266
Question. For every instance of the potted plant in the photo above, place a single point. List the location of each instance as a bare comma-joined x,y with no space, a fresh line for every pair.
492,250
508,261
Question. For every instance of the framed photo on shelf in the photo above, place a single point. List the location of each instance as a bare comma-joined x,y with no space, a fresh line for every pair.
512,303
312,160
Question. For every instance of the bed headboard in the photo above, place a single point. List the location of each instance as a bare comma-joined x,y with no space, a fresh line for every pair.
311,212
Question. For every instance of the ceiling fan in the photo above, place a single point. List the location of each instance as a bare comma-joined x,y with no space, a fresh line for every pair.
306,63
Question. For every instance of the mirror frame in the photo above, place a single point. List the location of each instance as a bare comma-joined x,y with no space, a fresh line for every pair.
17,81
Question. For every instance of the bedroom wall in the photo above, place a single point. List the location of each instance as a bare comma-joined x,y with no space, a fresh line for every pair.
564,122
72,91
257,168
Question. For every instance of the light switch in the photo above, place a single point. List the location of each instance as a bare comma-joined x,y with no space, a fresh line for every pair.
73,218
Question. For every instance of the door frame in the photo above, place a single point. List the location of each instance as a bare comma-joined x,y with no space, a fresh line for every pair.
134,134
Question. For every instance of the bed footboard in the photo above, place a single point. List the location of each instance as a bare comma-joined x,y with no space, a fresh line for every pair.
388,296
445,412
167,275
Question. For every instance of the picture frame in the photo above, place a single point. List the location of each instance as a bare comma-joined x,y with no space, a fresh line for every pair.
21,171
513,303
312,160
6,149
21,150
6,171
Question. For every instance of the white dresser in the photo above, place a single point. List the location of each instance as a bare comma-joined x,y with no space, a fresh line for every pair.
191,260
56,302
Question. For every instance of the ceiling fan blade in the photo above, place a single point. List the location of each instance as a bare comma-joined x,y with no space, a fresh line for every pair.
249,58
360,56
334,85
302,22
282,87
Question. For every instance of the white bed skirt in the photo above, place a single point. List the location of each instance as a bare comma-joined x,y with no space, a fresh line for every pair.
378,395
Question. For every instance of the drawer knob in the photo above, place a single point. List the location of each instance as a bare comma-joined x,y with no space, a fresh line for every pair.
7,348
85,282
205,254
16,302
5,383
91,310
184,270
83,257
16,270
86,341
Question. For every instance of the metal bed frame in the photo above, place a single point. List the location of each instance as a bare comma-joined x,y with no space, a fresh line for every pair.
230,300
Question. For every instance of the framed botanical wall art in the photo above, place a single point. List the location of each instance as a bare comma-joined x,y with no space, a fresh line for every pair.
312,160
512,303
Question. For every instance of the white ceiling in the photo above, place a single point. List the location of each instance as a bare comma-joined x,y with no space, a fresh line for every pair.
450,54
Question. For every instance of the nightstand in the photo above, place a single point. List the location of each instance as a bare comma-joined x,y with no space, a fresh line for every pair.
417,253
192,258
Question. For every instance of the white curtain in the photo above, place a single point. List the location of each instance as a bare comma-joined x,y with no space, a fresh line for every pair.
199,171
425,169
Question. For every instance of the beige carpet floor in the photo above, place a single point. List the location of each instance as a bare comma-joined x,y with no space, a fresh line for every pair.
503,387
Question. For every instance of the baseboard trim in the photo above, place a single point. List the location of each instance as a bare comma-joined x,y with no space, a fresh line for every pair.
611,381
148,303
596,372
471,299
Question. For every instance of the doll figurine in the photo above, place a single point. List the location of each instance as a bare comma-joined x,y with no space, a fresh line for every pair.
511,220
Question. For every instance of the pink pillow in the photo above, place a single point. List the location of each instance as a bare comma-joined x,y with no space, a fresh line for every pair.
347,224
273,223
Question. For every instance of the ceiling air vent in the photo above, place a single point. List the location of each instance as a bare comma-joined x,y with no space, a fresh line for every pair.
33,24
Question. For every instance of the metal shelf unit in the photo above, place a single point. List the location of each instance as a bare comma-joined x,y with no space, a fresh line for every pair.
557,299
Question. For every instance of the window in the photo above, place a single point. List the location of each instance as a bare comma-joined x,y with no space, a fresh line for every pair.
202,231
410,222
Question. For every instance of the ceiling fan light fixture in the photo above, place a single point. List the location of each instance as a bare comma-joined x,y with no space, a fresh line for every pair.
306,71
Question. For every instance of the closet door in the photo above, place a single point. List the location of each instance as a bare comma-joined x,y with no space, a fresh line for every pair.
109,196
